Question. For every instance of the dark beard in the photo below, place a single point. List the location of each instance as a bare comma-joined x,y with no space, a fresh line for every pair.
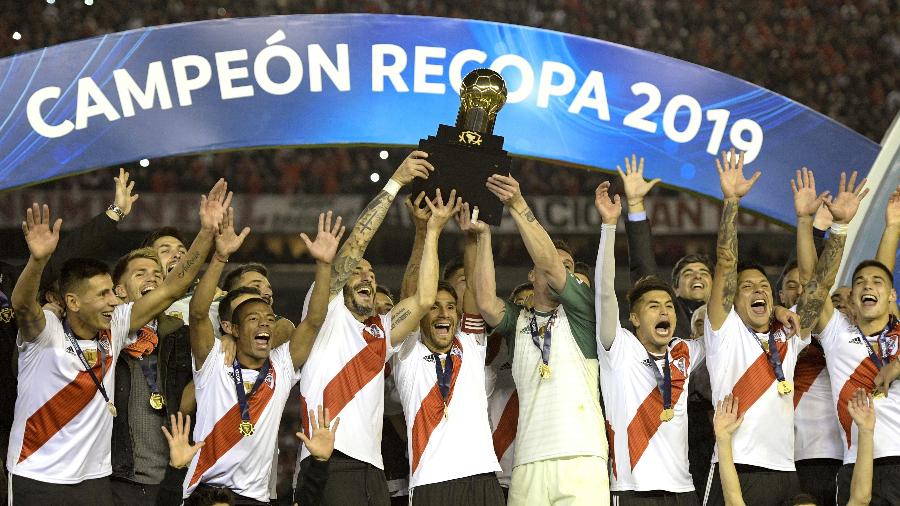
355,307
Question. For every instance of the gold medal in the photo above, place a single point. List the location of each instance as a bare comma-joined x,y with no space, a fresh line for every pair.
112,408
544,370
90,355
446,413
246,428
785,387
156,401
667,414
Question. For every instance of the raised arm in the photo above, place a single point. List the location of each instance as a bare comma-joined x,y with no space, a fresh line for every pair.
887,248
814,305
862,408
470,250
406,314
637,227
605,272
725,422
538,243
322,250
212,213
806,205
370,219
42,240
419,217
490,306
201,328
724,285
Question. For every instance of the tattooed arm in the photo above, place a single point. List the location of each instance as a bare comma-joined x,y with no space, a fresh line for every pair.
370,219
814,306
419,218
537,241
213,211
724,285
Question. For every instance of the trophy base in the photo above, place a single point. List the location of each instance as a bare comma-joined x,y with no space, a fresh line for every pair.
463,161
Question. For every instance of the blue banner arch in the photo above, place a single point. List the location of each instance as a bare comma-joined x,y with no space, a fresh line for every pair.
310,80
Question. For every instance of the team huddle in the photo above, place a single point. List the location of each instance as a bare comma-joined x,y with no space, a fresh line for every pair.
143,384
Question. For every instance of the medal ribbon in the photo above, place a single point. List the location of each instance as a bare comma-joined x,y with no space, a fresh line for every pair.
663,379
536,335
444,374
773,355
148,367
90,370
879,361
239,387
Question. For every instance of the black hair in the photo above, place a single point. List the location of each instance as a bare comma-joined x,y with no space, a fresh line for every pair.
154,236
236,314
586,270
648,284
233,277
208,496
874,263
453,265
76,270
225,309
802,498
444,286
382,290
563,246
751,266
693,258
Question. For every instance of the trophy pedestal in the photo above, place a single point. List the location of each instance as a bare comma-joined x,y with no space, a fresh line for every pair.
463,160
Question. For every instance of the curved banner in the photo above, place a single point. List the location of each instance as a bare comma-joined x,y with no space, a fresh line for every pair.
389,80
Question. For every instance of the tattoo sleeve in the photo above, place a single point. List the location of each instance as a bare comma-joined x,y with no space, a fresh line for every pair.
399,318
812,300
727,252
352,251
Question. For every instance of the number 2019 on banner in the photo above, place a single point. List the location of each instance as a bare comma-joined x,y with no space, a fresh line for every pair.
719,117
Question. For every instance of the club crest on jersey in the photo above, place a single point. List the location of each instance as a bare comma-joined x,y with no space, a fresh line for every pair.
375,330
679,364
888,345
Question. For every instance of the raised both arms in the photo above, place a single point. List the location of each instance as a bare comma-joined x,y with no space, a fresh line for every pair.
806,205
605,302
350,254
491,307
724,285
42,240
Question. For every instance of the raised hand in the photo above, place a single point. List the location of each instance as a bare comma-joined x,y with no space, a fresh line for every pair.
892,210
788,319
440,211
180,450
320,442
731,175
124,199
609,208
413,166
726,419
806,202
418,214
227,241
506,188
214,206
636,187
844,206
468,220
862,408
41,238
327,240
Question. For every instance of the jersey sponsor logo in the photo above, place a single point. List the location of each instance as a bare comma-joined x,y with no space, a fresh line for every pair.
856,339
648,363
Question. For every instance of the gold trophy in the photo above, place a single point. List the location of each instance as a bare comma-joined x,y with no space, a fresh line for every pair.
465,155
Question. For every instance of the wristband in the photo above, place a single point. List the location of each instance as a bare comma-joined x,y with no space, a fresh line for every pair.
638,216
392,187
118,211
838,228
605,226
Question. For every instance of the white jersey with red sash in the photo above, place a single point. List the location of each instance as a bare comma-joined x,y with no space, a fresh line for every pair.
817,434
345,373
228,459
851,368
739,364
648,452
503,406
62,429
453,443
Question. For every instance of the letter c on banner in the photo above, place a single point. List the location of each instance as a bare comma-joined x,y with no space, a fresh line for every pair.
33,110
261,66
456,65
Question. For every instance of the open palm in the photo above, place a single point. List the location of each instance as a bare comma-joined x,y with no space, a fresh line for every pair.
731,175
862,408
892,211
726,420
636,187
806,201
214,206
609,208
327,240
39,235
844,206
227,241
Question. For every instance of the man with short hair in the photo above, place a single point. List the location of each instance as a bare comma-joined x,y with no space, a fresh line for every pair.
561,449
239,405
252,274
151,375
643,378
59,448
384,300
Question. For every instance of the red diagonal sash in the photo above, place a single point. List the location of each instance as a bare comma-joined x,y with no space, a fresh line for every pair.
359,371
432,411
225,433
505,433
863,377
304,415
757,379
611,437
809,365
60,409
646,420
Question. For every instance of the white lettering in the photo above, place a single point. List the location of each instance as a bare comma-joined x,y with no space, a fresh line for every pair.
88,91
261,66
526,83
546,88
456,65
227,74
185,85
319,61
592,94
380,70
129,91
36,119
423,69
